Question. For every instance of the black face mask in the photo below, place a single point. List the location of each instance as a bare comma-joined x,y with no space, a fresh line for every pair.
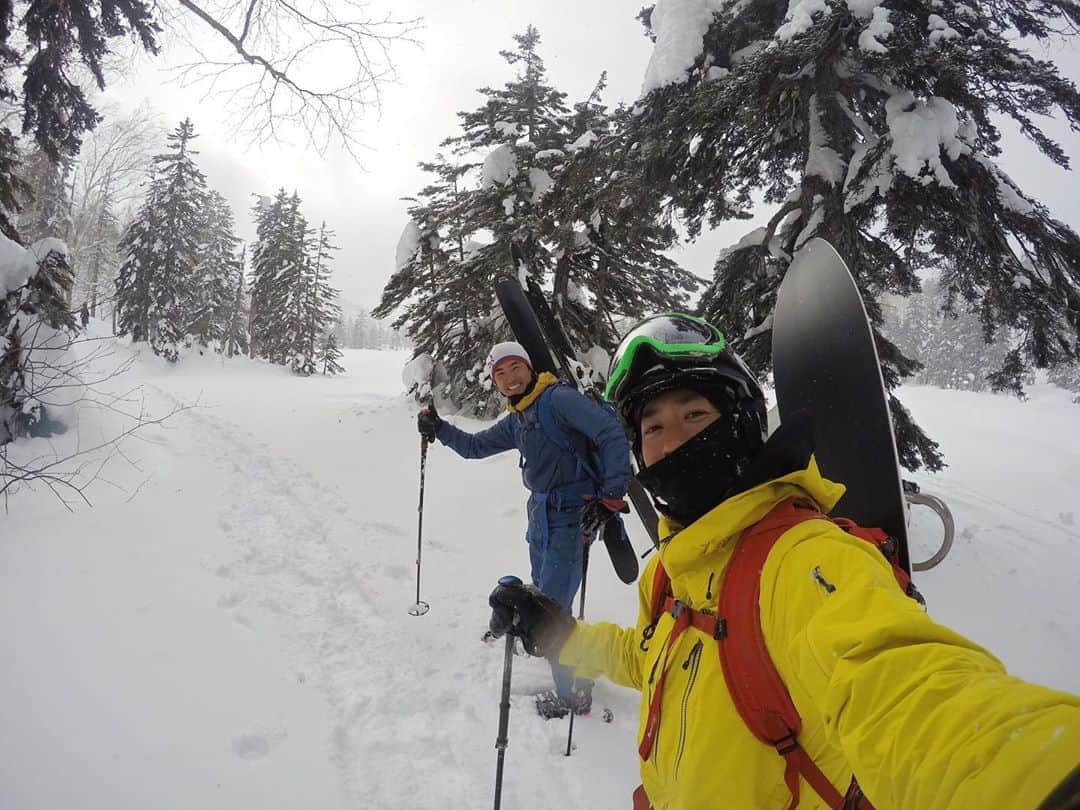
700,473
717,464
516,398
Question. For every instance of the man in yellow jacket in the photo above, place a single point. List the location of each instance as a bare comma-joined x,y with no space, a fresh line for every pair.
919,715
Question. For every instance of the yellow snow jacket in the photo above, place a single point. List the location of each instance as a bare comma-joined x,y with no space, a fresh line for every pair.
924,717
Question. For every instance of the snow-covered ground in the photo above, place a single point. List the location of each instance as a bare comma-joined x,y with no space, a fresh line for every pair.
228,626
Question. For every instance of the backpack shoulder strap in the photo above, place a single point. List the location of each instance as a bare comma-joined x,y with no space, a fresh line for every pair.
558,435
661,591
759,694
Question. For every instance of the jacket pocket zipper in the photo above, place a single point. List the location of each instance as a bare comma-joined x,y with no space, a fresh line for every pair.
692,664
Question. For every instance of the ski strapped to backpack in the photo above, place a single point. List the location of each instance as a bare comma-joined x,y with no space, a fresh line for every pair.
759,695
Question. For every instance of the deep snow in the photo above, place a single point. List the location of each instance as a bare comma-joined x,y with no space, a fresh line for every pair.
228,626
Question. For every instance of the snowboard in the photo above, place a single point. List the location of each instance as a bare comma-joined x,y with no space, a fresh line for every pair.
528,331
825,362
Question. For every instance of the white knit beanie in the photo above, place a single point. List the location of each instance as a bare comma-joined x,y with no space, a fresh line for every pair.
501,351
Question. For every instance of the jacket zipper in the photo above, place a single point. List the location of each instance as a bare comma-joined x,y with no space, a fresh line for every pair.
693,664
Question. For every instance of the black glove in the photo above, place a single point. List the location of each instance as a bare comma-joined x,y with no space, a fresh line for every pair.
538,620
428,421
598,511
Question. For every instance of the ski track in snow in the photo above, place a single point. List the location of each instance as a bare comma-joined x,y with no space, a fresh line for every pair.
292,564
291,567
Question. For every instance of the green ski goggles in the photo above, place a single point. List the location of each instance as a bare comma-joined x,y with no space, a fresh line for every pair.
671,336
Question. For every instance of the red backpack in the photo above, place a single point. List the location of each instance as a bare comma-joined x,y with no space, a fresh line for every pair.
755,686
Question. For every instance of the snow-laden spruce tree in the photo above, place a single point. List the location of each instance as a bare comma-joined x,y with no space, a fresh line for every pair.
215,294
236,312
320,309
873,124
35,333
949,345
44,206
440,297
526,196
608,247
1068,377
277,257
518,137
329,353
157,288
292,302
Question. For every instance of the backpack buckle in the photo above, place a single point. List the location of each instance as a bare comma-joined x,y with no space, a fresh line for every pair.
677,608
721,629
786,745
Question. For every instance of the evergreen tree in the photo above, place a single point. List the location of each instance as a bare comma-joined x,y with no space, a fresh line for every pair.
521,130
527,194
292,302
215,294
520,133
608,247
45,205
872,125
442,297
99,256
157,287
234,341
29,314
1068,377
329,354
276,257
321,309
946,338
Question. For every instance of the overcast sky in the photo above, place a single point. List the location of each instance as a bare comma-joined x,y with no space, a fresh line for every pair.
459,52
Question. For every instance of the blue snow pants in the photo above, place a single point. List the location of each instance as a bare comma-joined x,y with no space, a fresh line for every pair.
555,552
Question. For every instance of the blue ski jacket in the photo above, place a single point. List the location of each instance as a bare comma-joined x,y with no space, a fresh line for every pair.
548,468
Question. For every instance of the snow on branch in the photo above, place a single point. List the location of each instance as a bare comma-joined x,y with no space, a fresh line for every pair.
407,245
680,27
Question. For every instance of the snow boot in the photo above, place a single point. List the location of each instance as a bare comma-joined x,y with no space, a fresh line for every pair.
550,706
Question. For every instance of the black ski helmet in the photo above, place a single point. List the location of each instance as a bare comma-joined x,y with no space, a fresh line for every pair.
675,350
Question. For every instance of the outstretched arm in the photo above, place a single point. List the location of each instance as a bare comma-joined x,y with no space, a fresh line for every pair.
496,439
925,717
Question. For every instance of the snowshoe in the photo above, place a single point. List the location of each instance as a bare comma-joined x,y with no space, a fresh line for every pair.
550,706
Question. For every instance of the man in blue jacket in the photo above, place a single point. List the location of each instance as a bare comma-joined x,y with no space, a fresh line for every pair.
575,461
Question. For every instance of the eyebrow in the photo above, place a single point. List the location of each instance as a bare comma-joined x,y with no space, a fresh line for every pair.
682,399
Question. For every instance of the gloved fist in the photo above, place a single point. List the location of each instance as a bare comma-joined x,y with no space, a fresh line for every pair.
598,511
538,620
428,421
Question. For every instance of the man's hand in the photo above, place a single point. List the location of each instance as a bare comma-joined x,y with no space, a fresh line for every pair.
598,511
428,421
538,620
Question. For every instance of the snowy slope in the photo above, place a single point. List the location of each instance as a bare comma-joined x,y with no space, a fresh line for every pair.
228,627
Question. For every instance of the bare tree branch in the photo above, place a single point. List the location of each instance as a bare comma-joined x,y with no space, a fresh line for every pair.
315,69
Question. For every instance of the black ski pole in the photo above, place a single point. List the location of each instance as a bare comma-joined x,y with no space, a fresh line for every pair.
420,608
502,739
581,615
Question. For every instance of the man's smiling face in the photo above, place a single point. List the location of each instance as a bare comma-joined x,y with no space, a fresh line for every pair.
511,376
